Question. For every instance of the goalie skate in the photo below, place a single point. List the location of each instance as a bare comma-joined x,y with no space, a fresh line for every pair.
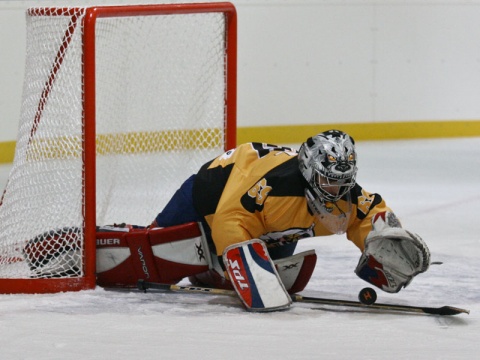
54,254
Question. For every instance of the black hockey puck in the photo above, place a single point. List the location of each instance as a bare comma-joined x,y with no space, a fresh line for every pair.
367,296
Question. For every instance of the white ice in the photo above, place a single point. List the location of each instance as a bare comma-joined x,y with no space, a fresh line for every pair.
433,186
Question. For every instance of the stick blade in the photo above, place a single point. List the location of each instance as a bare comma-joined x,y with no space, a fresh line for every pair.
141,285
445,310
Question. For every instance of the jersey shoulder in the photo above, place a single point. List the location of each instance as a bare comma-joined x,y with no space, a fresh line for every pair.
286,179
364,200
252,154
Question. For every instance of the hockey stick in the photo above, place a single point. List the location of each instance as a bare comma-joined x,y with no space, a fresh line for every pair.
444,310
145,285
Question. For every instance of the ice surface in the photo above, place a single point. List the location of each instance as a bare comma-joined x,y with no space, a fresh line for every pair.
433,186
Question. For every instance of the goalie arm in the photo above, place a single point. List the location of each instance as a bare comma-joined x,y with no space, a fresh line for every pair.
392,256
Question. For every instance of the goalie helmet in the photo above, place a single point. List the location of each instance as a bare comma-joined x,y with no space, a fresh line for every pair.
328,162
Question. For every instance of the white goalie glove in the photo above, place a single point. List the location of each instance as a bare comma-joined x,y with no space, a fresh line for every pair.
393,256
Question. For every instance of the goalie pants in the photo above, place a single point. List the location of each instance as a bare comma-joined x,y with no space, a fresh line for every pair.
180,210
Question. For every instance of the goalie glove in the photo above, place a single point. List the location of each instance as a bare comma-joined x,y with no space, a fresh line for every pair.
393,256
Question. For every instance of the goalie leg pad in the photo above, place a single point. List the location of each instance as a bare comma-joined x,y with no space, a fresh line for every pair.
179,251
164,255
254,277
123,258
294,271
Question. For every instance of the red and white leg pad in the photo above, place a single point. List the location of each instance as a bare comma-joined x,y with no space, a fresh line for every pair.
254,277
294,271
165,255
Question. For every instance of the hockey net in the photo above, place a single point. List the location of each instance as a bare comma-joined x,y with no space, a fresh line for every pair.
120,105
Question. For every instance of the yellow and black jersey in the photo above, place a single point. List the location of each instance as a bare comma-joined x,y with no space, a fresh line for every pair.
257,191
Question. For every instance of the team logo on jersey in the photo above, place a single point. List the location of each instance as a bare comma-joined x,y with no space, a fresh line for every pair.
279,238
260,191
254,198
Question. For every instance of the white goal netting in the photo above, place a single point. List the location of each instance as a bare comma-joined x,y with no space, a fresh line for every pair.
160,85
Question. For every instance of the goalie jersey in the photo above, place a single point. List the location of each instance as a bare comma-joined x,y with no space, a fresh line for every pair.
257,191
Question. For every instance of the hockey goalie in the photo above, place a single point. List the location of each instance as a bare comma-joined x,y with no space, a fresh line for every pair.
235,224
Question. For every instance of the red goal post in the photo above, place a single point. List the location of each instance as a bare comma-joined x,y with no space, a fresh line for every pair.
120,105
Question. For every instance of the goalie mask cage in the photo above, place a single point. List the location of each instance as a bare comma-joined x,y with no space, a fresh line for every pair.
120,105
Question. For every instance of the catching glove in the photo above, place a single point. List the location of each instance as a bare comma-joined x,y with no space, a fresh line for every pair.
393,256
